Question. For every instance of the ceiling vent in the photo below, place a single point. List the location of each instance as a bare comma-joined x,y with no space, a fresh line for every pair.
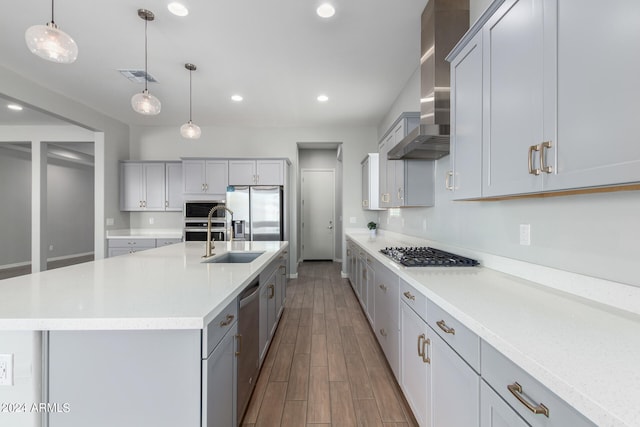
138,76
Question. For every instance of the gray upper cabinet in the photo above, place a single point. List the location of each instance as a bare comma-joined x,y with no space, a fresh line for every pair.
465,177
370,183
173,186
404,182
203,177
256,172
544,128
598,96
142,186
514,98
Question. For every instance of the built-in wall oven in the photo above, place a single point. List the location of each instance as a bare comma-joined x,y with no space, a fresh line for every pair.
195,215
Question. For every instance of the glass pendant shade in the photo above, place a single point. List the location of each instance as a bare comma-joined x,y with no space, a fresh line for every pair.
190,130
51,43
145,103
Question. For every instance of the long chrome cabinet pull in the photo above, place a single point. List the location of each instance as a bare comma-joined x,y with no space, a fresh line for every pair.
543,167
445,328
516,390
409,296
533,171
239,338
227,321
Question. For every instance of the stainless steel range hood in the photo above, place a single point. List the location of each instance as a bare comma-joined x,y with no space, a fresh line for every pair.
444,22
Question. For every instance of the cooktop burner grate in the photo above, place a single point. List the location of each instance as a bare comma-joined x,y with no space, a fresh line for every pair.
427,257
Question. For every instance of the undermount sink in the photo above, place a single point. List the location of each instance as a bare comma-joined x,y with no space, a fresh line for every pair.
234,258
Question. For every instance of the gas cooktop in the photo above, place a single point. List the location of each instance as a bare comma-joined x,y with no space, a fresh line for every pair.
423,256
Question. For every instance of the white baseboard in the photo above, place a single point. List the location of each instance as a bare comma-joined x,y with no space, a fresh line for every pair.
344,275
293,276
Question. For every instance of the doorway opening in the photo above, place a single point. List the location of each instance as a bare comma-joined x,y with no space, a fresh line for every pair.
319,207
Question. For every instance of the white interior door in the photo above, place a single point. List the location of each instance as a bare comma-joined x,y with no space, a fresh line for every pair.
318,214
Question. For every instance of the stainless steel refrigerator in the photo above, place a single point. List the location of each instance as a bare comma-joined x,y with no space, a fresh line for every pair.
257,212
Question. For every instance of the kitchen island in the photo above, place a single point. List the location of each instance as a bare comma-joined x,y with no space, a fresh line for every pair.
125,338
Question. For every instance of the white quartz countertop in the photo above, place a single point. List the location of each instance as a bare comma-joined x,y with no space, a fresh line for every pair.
163,288
144,233
586,353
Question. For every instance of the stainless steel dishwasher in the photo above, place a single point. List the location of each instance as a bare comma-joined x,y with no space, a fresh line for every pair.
248,360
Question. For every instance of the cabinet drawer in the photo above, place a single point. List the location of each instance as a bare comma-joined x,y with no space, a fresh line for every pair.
166,242
461,339
219,326
500,372
414,299
132,243
387,333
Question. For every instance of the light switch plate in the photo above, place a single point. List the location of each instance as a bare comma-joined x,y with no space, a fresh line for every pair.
6,369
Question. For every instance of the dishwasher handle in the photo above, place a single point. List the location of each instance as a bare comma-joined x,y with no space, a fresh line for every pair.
249,294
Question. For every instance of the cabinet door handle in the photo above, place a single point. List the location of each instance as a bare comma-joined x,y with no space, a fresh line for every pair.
273,291
425,358
227,321
516,390
447,181
166,203
202,187
239,339
533,171
365,203
421,338
445,328
140,204
257,179
543,166
383,332
383,287
409,296
400,196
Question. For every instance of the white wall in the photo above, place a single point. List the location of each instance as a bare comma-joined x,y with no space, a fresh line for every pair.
15,209
70,208
595,234
324,159
165,143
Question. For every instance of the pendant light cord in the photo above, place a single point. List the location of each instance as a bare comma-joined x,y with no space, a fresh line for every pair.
190,71
146,76
52,21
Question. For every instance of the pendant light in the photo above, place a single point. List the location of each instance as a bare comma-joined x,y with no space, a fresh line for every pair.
190,130
145,103
51,43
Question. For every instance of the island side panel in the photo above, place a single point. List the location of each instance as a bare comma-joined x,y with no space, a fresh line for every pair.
125,378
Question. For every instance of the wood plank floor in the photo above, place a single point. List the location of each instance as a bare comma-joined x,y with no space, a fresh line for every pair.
324,366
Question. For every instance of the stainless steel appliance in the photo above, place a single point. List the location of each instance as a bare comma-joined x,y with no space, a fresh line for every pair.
257,212
423,256
444,22
195,220
248,357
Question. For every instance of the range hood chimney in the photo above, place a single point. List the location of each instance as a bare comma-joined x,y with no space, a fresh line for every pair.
443,24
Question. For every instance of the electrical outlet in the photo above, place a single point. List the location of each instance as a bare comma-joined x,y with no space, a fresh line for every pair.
6,369
50,247
353,220
525,234
110,221
152,220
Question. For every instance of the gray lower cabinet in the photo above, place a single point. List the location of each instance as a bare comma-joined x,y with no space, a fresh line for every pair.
536,404
267,309
116,247
386,320
494,412
219,383
125,378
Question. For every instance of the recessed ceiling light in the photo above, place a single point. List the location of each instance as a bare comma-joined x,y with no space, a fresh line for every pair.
178,9
14,107
236,98
325,10
323,98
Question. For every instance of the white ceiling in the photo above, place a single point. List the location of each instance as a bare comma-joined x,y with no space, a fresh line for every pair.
278,54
